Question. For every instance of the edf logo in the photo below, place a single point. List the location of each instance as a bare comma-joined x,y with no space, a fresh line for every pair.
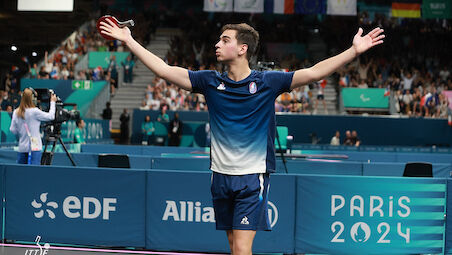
73,207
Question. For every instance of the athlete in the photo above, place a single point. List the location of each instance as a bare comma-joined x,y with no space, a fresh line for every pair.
242,120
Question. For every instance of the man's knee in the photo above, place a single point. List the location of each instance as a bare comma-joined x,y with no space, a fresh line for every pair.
241,248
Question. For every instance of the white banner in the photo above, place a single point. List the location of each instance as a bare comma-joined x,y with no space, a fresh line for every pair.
218,5
251,6
341,7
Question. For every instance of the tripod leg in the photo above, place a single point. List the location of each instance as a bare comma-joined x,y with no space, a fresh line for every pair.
44,154
67,152
52,152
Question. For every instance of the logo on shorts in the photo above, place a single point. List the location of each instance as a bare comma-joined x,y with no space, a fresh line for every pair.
221,86
245,221
253,87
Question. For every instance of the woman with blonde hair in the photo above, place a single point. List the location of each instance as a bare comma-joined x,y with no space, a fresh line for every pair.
25,125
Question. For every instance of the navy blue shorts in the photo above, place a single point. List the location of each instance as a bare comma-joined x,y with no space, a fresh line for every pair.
240,201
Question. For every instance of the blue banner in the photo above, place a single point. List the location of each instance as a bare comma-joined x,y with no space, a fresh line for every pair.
181,217
358,215
310,6
86,206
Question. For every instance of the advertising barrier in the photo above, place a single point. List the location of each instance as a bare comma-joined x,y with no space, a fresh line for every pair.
87,206
181,217
370,215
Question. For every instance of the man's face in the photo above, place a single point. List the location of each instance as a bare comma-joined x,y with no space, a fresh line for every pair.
227,48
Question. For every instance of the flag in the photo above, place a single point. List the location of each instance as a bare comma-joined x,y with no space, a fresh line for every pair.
387,92
218,5
437,9
341,7
280,6
250,6
25,59
406,8
310,6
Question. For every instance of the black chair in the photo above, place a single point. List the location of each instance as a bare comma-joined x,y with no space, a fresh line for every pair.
418,169
113,161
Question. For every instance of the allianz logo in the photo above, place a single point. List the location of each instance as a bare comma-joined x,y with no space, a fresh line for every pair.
74,207
190,211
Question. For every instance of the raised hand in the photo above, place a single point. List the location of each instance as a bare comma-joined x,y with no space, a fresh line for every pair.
112,30
363,43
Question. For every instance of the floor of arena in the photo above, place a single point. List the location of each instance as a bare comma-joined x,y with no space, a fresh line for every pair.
18,249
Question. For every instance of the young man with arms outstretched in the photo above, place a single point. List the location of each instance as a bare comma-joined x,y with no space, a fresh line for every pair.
242,120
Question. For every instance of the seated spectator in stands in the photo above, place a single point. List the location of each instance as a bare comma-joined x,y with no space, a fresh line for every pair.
128,65
78,132
407,99
144,106
154,102
335,140
147,130
163,116
175,131
362,84
443,107
43,74
5,102
348,138
355,139
444,73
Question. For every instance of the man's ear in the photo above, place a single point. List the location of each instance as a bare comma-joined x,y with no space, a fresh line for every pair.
243,49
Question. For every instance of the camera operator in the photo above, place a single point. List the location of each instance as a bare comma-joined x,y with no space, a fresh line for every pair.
25,124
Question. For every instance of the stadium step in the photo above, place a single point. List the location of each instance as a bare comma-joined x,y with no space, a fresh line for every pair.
131,95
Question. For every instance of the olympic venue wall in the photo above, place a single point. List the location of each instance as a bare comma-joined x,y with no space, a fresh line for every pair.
172,211
371,130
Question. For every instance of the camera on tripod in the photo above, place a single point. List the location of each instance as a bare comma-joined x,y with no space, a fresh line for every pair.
52,130
61,114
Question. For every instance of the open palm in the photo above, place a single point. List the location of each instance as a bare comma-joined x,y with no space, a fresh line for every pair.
363,43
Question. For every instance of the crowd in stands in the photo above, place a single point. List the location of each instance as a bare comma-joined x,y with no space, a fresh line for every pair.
412,65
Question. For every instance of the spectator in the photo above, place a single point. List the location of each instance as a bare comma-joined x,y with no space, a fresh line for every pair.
320,95
335,140
124,127
128,65
348,138
78,132
147,130
163,116
175,131
354,139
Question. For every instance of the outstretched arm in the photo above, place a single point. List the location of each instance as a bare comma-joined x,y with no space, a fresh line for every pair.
174,74
328,66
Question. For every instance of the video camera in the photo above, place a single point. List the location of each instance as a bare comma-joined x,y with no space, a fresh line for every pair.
61,114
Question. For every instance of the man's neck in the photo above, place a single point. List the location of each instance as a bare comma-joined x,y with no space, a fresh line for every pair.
239,70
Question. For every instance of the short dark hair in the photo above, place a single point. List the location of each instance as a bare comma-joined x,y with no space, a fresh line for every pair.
78,121
246,34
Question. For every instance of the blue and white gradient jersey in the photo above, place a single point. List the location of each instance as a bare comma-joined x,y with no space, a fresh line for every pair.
242,119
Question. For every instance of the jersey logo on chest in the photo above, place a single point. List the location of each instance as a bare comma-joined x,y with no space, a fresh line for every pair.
221,86
252,87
